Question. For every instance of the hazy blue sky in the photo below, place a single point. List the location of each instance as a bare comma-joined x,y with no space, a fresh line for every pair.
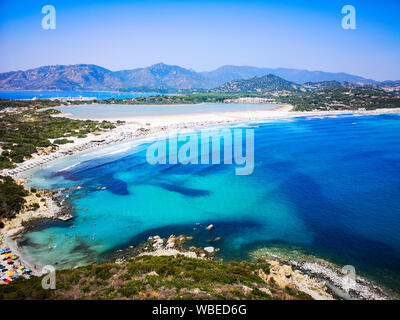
204,35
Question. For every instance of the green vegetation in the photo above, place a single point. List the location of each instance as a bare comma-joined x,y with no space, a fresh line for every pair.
177,99
149,277
342,99
21,104
21,133
265,84
62,141
11,198
303,98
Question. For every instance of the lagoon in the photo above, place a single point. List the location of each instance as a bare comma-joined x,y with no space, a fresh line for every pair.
112,111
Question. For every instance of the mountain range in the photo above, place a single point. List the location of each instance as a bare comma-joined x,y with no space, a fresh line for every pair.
271,83
88,77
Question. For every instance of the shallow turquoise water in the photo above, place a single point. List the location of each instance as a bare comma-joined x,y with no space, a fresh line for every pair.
330,186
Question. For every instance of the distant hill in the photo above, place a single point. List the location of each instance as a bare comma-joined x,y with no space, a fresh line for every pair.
158,77
229,73
271,83
71,78
162,75
390,86
303,76
330,85
264,84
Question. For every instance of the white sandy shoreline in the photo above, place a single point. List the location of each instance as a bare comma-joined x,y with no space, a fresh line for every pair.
26,260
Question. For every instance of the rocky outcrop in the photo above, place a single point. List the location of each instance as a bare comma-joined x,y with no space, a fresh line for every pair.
285,277
40,204
157,246
168,247
345,285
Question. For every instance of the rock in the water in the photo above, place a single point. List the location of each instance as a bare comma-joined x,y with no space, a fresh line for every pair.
209,249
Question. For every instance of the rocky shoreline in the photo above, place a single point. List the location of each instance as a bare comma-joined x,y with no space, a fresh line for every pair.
280,274
51,206
157,246
316,277
342,283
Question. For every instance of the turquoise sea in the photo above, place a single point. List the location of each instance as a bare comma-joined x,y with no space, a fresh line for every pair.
329,186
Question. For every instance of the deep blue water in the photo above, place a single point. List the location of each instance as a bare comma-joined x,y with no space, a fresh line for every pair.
26,94
330,186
